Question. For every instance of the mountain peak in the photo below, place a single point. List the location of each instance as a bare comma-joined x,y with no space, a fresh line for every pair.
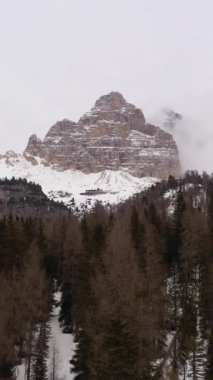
114,100
34,139
113,108
112,136
33,147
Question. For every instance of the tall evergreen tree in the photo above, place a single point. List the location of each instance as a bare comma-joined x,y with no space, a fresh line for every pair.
41,353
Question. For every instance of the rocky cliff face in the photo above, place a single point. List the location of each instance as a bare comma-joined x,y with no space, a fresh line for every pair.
114,136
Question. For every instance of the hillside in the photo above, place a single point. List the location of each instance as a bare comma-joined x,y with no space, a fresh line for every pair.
21,198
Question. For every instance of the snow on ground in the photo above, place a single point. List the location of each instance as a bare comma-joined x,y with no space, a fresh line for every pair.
171,196
20,372
61,346
109,186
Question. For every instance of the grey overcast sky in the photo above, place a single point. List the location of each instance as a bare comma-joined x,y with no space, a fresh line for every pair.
58,56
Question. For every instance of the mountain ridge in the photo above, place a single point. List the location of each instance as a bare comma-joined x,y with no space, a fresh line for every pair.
112,136
110,154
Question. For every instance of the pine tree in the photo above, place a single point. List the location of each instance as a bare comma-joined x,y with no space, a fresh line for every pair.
180,207
122,351
6,332
136,229
55,363
209,358
40,353
66,318
80,363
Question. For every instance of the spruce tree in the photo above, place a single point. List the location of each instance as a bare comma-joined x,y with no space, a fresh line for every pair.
40,353
122,351
209,358
80,363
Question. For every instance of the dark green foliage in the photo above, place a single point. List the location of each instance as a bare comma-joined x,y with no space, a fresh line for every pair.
136,229
40,354
80,361
180,207
152,216
65,317
20,182
122,352
7,371
209,359
172,183
41,239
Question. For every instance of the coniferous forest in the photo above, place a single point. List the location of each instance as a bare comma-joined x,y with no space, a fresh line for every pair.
136,282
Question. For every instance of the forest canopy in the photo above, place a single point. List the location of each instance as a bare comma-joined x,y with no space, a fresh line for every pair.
136,283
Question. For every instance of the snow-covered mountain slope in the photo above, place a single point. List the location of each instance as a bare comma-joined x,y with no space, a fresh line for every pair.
73,187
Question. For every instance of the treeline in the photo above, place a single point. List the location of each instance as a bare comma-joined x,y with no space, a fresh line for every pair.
136,282
21,181
21,198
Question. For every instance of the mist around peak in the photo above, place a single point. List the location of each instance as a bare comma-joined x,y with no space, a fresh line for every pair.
193,136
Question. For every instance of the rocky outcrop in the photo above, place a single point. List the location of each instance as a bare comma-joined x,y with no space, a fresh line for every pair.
10,157
113,135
